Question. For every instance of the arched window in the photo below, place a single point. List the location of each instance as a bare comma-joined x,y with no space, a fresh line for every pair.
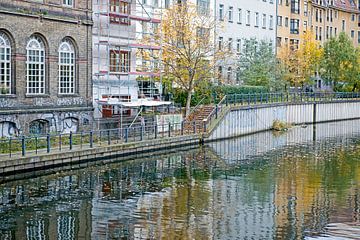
66,68
5,64
35,63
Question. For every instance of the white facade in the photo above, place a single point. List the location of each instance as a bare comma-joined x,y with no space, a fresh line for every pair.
239,20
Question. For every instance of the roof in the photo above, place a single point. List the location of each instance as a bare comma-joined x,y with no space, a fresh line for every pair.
349,5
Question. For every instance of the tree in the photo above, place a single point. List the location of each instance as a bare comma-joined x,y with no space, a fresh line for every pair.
340,65
188,50
257,64
300,62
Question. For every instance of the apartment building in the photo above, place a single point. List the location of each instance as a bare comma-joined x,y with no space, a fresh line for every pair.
240,20
326,18
45,66
237,20
125,56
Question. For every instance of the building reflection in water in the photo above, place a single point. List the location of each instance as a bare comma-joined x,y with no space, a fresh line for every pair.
257,187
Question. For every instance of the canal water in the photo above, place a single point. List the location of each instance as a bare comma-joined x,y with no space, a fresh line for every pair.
300,184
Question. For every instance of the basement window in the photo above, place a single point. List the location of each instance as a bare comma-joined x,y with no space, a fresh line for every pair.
68,3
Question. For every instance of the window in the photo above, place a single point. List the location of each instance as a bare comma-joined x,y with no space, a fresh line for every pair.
305,8
68,3
35,65
286,22
343,25
247,17
278,41
229,74
352,34
238,45
221,12
66,68
294,26
220,72
295,6
230,47
203,7
264,21
256,19
279,20
122,7
5,65
119,61
271,22
239,15
220,42
230,14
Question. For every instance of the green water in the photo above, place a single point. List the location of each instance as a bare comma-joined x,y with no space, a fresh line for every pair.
265,186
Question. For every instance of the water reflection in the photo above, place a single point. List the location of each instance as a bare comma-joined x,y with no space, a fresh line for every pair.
257,187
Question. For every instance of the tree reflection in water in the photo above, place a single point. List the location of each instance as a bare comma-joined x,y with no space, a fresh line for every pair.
260,186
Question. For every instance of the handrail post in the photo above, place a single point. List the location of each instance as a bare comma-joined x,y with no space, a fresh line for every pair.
182,128
23,146
126,135
141,132
194,127
91,139
108,137
204,122
169,132
48,143
216,111
156,130
70,141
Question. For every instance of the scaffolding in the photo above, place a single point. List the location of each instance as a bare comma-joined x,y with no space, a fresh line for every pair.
127,51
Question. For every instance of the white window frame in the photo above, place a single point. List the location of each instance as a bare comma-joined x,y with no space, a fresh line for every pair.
35,61
5,65
67,68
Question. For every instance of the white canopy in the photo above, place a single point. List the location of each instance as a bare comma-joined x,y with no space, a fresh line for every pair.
133,104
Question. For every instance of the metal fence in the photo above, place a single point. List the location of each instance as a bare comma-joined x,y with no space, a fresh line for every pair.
60,142
35,144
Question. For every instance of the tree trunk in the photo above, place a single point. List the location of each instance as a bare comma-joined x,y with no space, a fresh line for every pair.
354,87
188,102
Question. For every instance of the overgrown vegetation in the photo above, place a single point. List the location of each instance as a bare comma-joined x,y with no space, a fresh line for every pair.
280,126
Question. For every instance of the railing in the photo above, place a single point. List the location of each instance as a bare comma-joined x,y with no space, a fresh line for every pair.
266,98
192,110
57,142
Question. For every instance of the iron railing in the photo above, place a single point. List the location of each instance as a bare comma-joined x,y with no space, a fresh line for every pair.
63,142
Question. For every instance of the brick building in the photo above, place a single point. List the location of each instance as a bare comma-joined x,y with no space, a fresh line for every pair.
45,66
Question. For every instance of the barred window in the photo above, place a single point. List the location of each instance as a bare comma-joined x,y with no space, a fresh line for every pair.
66,68
35,64
5,65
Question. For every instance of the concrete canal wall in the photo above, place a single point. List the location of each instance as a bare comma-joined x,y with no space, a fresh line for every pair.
251,119
79,157
244,148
